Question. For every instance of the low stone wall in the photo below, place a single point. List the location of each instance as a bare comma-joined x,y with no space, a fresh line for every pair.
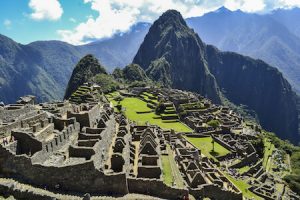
81,152
222,143
213,191
252,158
254,169
25,194
156,188
71,178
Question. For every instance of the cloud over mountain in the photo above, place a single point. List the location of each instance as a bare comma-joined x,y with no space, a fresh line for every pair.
119,15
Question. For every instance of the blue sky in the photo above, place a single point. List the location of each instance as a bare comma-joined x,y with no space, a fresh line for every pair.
77,21
17,24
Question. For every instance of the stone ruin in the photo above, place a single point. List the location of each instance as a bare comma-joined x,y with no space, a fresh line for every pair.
82,149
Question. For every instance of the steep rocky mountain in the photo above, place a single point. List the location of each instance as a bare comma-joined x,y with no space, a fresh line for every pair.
272,37
171,50
43,68
172,47
86,68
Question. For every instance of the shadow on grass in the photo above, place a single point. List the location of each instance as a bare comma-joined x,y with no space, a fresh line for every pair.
213,153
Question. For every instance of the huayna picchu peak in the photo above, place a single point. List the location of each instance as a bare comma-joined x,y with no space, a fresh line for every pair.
171,49
180,119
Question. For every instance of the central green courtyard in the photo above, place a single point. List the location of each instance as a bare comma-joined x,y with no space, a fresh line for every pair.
137,110
206,147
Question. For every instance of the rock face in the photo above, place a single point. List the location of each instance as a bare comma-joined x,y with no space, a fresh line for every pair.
173,54
261,87
272,37
86,68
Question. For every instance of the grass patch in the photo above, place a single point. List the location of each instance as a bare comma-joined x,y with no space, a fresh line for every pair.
243,169
133,105
167,170
170,170
206,147
243,186
268,150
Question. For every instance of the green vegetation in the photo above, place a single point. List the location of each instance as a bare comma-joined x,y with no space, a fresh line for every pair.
206,147
292,152
167,170
170,170
268,150
243,169
86,68
106,82
213,123
134,72
243,186
133,108
192,106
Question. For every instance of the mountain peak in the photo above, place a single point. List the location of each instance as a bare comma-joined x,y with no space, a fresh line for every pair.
85,69
172,17
222,9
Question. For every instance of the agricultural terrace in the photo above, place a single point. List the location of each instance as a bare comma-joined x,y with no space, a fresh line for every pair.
137,110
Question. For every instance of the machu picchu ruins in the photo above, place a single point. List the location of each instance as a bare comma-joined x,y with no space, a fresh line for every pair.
132,104
95,145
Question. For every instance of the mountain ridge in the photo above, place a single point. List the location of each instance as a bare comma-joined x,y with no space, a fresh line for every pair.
204,69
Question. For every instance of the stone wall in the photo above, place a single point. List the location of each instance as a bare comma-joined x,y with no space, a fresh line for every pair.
252,158
18,194
71,178
213,191
156,188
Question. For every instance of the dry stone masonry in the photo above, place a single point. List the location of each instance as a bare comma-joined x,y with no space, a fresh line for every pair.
83,148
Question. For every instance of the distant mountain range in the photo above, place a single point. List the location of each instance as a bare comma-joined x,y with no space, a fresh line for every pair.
274,37
43,68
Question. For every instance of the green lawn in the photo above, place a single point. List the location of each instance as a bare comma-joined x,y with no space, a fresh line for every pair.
170,170
268,150
167,170
243,169
243,186
205,145
133,105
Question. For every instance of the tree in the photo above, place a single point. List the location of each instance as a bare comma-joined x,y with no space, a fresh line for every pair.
119,107
160,108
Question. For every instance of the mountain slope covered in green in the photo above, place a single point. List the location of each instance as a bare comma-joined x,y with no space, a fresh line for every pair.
202,68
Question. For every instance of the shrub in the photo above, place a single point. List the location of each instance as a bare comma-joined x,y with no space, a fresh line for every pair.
213,123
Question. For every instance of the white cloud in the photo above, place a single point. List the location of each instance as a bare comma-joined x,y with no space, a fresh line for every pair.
7,23
45,9
119,15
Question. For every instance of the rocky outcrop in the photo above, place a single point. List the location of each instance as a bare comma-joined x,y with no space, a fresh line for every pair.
86,68
174,55
262,88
